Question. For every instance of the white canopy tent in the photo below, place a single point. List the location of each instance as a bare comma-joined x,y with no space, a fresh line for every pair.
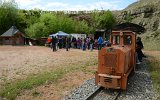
59,33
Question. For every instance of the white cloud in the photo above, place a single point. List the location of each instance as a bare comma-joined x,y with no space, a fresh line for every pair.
56,4
91,6
38,6
27,4
31,4
112,5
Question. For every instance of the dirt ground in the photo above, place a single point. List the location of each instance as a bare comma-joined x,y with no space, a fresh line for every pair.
56,91
153,53
16,62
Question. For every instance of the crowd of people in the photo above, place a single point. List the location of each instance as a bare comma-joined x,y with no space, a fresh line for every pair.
89,43
79,43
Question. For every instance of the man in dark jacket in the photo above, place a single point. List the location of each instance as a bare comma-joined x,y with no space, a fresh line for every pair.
139,49
91,42
54,41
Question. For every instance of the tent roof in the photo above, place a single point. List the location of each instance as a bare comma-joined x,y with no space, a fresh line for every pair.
12,31
59,33
53,35
129,26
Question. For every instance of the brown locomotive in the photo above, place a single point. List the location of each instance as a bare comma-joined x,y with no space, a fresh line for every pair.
116,62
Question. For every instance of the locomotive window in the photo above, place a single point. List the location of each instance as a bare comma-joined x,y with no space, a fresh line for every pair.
127,40
115,39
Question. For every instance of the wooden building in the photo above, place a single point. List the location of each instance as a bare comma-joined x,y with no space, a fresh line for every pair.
12,37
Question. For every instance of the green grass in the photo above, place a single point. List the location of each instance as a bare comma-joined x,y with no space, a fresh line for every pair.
151,44
13,89
151,40
154,68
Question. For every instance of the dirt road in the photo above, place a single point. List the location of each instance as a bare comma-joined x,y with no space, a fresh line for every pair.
16,62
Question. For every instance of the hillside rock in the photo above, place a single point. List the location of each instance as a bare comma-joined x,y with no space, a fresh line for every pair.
143,12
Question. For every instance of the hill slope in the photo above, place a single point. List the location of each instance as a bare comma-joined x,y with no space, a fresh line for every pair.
147,14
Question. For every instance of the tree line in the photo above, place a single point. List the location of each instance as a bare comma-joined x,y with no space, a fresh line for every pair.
37,23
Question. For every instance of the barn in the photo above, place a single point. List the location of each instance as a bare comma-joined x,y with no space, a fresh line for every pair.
12,37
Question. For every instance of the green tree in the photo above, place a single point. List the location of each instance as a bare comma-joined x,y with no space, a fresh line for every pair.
8,15
65,23
107,20
82,27
45,25
37,30
103,20
21,20
95,16
49,23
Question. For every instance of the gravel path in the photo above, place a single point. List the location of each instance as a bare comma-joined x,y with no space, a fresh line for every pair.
84,91
139,88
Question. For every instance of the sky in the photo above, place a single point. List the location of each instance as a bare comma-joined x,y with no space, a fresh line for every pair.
74,5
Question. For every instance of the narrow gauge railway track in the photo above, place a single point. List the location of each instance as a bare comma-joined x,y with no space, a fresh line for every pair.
140,87
104,94
89,91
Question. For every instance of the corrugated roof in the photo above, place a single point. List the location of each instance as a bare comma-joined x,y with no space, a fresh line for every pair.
129,26
13,30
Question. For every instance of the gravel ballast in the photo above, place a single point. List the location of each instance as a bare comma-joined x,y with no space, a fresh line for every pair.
140,85
84,91
139,88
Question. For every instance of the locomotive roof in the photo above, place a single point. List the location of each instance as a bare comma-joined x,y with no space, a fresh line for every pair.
129,26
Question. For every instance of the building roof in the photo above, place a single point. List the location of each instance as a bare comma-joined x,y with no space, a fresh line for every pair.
129,26
11,32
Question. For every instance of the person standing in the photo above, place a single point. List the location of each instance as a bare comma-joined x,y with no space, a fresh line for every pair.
139,46
87,43
69,39
64,42
60,42
78,43
53,44
67,43
56,39
75,43
100,41
84,44
91,42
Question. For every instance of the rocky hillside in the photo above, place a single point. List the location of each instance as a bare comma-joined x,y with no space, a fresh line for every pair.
147,14
142,12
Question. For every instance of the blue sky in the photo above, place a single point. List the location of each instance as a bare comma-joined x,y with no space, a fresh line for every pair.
74,5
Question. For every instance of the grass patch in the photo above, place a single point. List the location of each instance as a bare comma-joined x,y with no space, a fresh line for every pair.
151,40
154,67
35,93
11,90
151,44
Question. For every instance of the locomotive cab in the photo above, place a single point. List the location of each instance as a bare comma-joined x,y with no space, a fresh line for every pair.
116,62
